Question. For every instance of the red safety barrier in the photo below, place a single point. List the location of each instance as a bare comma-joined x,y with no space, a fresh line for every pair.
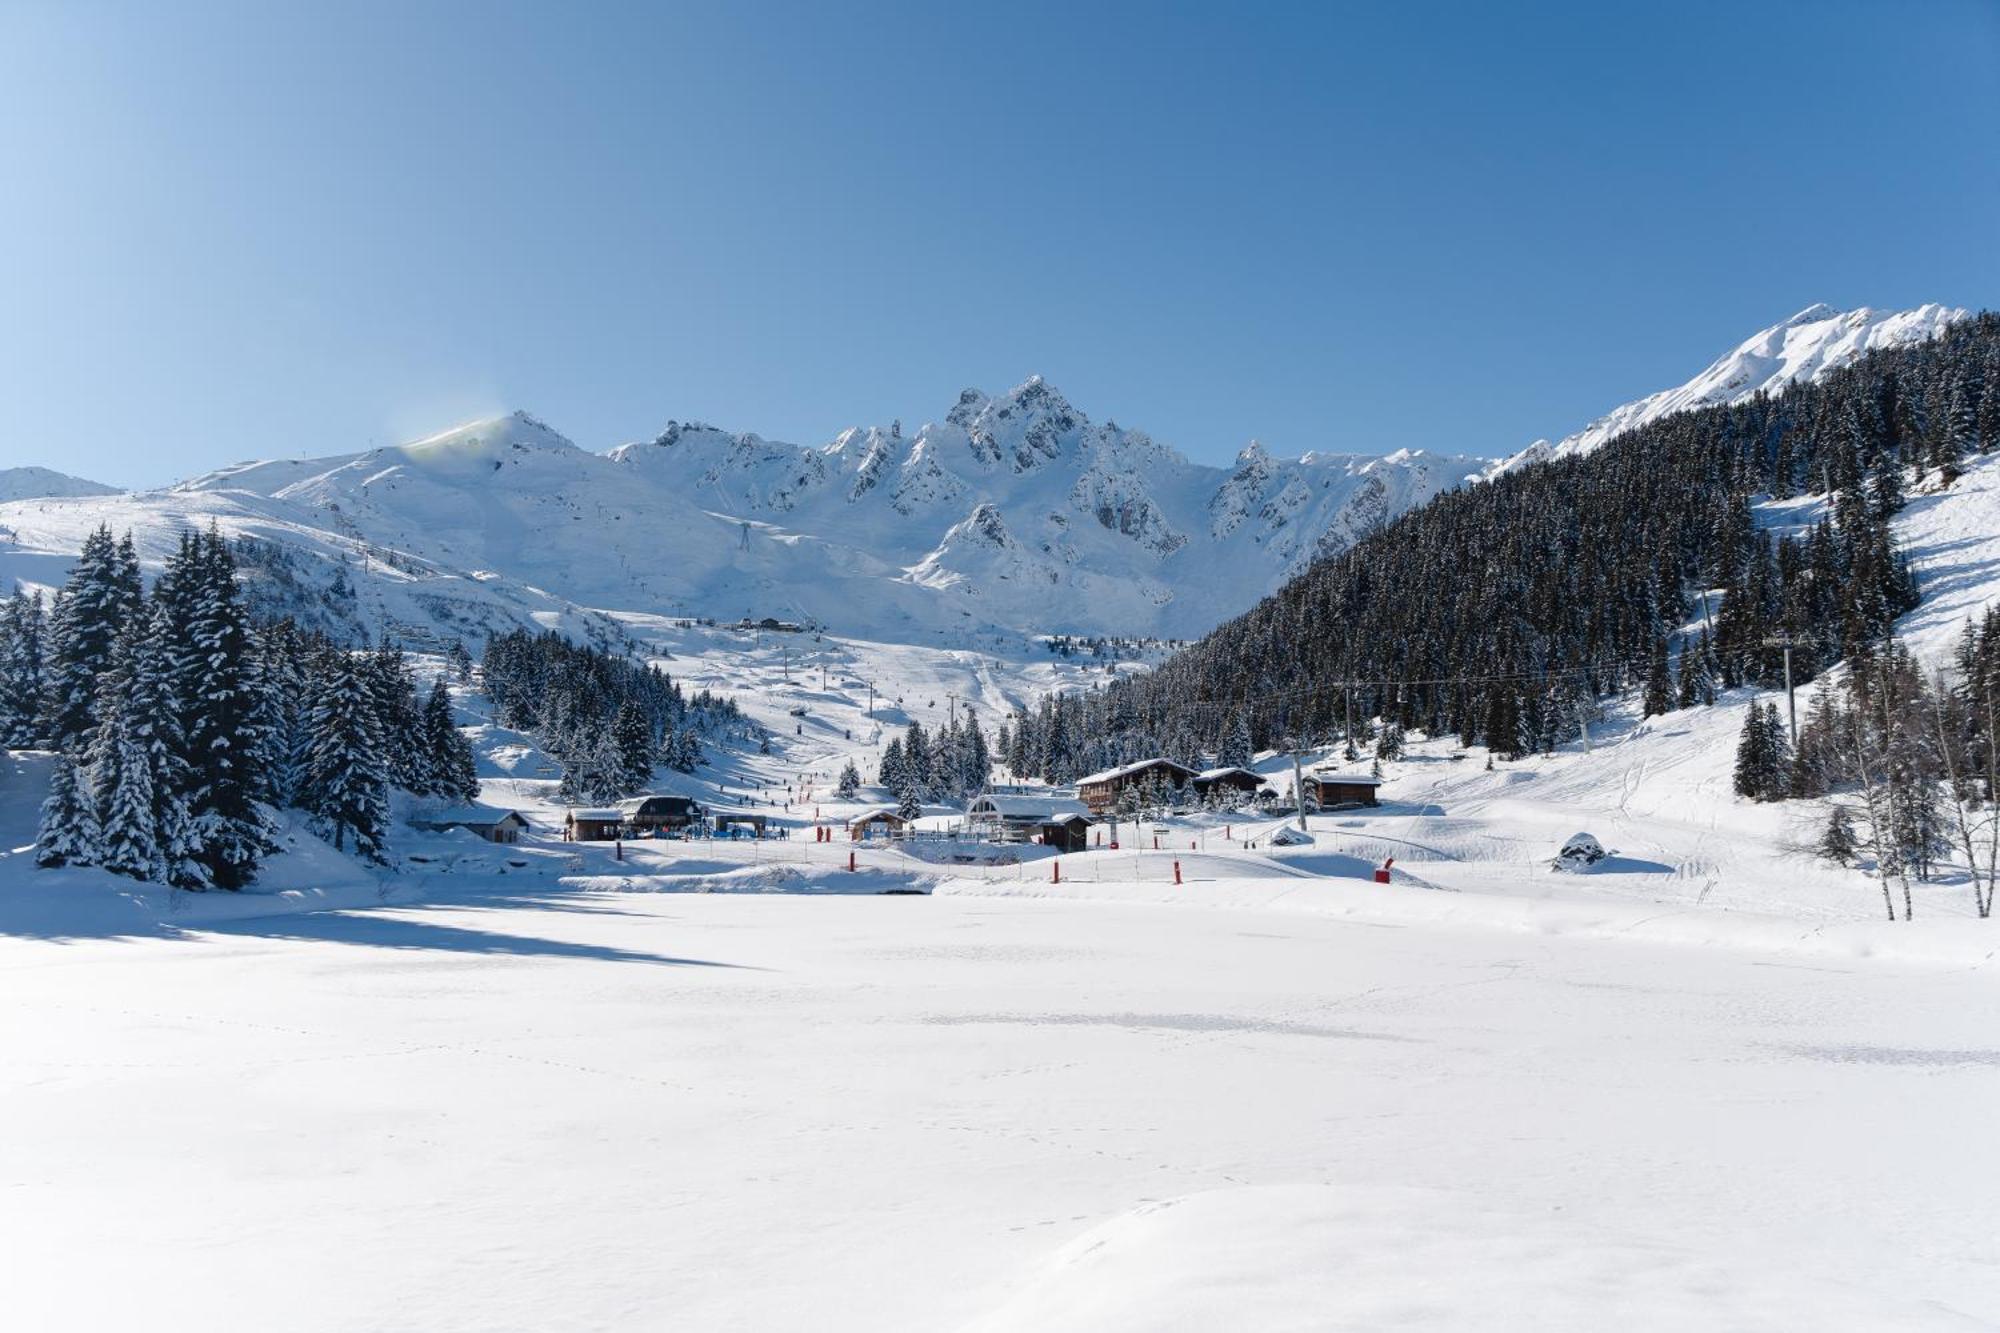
1382,872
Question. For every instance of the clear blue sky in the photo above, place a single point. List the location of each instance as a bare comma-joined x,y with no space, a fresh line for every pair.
266,229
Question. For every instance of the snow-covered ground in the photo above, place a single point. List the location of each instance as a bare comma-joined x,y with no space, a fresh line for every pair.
566,1105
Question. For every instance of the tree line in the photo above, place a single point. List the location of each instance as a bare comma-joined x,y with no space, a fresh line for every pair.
607,720
176,722
1500,612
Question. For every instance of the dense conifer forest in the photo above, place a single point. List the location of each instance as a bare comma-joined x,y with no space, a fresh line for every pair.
1502,611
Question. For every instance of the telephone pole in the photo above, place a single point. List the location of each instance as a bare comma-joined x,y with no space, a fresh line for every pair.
1791,701
1299,789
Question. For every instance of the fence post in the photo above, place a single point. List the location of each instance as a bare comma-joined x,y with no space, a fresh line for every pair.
1055,871
1177,872
850,860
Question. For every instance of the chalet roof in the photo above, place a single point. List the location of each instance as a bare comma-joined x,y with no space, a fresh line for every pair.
659,804
1136,766
1348,779
1211,774
1011,805
875,812
479,815
599,813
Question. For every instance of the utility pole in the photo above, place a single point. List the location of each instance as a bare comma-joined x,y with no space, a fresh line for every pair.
1583,722
1350,716
1299,789
1791,700
871,701
951,708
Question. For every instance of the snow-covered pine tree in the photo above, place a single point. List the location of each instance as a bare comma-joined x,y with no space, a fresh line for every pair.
1389,740
401,721
67,835
215,678
850,782
908,805
89,611
121,779
23,643
632,737
347,782
153,716
1233,749
455,776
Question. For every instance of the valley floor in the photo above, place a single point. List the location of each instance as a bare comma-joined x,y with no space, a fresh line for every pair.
555,1107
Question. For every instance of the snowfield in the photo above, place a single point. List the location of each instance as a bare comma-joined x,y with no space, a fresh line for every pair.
558,1107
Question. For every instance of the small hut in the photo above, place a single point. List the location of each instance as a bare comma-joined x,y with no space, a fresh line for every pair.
1334,789
1008,817
490,823
883,821
593,824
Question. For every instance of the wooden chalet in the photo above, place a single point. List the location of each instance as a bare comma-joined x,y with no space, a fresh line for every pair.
593,824
1100,791
1331,789
650,816
1224,780
1051,821
882,822
490,823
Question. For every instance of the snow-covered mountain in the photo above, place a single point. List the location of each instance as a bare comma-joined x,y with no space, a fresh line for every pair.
33,483
1809,344
1012,513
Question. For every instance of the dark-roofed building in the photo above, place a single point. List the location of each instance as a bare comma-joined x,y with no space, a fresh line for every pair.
593,824
1332,788
1100,791
661,814
1231,779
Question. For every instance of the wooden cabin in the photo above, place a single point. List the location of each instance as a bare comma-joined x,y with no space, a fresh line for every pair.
1101,791
1051,821
881,822
494,825
586,824
650,816
1331,789
1225,780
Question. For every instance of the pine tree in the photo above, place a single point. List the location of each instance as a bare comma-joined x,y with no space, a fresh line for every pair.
347,782
23,636
1753,756
908,806
1837,842
215,678
632,738
89,611
850,782
455,775
1659,697
124,796
68,834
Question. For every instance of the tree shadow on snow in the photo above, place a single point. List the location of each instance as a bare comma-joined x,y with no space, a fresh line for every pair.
408,928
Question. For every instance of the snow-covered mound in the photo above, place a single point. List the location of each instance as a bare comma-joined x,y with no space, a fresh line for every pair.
31,483
1809,344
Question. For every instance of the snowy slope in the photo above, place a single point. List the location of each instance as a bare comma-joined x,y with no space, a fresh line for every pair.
1801,349
28,483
